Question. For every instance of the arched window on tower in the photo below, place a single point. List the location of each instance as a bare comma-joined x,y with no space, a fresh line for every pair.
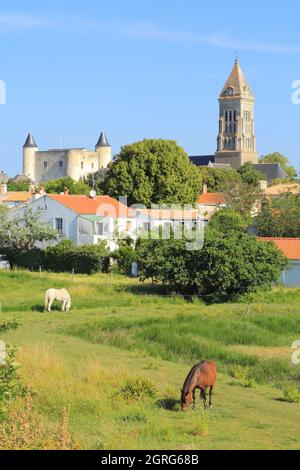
234,116
226,116
230,116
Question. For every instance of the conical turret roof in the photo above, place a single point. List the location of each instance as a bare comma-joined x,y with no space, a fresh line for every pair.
237,84
3,177
102,142
30,142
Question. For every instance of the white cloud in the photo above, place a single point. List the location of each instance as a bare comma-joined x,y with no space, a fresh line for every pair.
13,22
137,30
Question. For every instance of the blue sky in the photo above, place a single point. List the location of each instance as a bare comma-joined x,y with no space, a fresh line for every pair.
139,69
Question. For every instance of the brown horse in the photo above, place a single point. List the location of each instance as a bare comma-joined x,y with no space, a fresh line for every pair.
201,377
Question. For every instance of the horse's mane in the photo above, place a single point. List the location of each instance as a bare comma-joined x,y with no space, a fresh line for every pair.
188,381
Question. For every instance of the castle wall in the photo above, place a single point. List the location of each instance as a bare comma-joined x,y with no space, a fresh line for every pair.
55,164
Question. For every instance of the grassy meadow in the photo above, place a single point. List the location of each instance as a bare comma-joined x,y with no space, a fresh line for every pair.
108,374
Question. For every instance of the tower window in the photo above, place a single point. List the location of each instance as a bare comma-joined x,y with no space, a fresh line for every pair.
61,164
92,166
226,116
45,165
82,165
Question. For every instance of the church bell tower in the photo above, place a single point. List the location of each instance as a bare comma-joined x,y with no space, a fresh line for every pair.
236,139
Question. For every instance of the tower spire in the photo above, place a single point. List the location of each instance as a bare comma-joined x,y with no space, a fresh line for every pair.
237,57
30,142
102,142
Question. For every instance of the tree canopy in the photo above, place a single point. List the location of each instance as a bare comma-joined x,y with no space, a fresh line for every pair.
279,218
243,198
217,178
226,268
251,176
153,172
24,232
227,220
73,187
20,186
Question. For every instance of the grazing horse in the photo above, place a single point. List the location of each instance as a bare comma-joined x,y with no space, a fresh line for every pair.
60,295
201,377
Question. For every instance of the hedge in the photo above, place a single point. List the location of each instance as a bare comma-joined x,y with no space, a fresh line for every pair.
63,257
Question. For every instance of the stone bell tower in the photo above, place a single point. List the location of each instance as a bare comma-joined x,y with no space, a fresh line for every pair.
236,139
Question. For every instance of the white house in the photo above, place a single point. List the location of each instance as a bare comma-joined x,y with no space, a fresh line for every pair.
291,249
86,220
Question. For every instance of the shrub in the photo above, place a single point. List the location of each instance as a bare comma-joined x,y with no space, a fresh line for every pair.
138,389
291,394
25,259
10,385
226,268
85,259
23,430
124,257
242,374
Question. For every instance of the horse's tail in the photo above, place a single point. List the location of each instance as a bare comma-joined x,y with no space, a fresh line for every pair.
46,300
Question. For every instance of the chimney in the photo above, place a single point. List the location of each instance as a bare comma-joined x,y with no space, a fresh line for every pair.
204,188
37,194
3,189
263,185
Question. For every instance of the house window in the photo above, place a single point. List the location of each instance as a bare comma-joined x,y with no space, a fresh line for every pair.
99,229
147,226
45,165
59,225
61,164
128,226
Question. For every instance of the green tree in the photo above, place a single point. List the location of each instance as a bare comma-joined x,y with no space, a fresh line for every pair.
125,256
217,179
283,161
243,198
21,186
153,172
226,268
73,187
251,176
24,232
227,220
279,218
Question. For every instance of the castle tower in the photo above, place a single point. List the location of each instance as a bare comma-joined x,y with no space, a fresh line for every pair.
104,151
29,150
236,139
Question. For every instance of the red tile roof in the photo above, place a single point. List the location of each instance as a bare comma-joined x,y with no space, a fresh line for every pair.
102,205
289,246
16,196
212,199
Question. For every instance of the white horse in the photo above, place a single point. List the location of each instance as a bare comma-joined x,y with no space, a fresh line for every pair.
59,295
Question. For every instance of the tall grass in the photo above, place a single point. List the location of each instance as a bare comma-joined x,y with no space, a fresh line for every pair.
191,338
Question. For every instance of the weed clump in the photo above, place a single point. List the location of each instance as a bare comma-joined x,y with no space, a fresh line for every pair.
138,389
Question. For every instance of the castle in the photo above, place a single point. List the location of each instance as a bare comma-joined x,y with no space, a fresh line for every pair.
41,166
